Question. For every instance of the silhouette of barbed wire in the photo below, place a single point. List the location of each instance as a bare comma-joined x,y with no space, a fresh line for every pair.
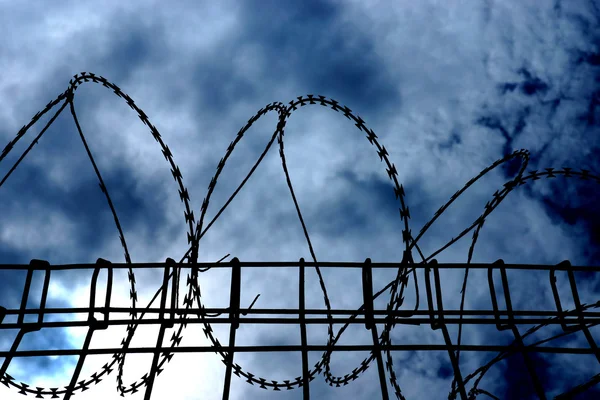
172,274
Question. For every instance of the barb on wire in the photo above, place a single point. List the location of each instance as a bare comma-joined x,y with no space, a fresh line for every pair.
171,314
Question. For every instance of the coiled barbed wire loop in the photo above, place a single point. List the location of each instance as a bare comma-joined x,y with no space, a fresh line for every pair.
196,233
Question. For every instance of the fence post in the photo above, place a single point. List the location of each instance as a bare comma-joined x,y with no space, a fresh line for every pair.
367,284
234,315
439,323
302,316
33,265
511,323
573,328
163,324
94,324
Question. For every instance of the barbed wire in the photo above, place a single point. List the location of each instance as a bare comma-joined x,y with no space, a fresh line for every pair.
393,315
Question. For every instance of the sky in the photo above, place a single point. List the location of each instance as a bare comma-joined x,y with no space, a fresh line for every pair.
448,87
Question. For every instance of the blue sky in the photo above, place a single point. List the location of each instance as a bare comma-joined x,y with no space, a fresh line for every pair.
448,87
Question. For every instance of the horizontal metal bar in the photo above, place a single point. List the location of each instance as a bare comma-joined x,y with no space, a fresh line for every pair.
324,264
295,321
308,311
295,348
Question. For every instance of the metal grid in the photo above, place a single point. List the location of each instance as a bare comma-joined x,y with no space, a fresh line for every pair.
167,315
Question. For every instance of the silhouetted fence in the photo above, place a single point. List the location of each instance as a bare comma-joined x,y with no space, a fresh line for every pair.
167,314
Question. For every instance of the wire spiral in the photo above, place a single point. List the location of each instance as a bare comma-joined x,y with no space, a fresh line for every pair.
196,232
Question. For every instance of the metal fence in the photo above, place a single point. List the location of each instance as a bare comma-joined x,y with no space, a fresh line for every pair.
432,315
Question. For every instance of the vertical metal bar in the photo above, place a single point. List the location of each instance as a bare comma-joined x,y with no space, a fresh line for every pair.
529,364
77,371
174,289
44,293
302,315
102,263
580,318
161,333
560,312
33,264
367,284
93,285
234,314
435,323
579,309
38,265
12,350
24,298
499,325
581,325
439,323
511,325
109,282
94,324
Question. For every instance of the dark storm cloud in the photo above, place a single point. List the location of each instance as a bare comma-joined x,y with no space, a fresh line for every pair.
351,215
86,205
454,140
565,104
301,36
